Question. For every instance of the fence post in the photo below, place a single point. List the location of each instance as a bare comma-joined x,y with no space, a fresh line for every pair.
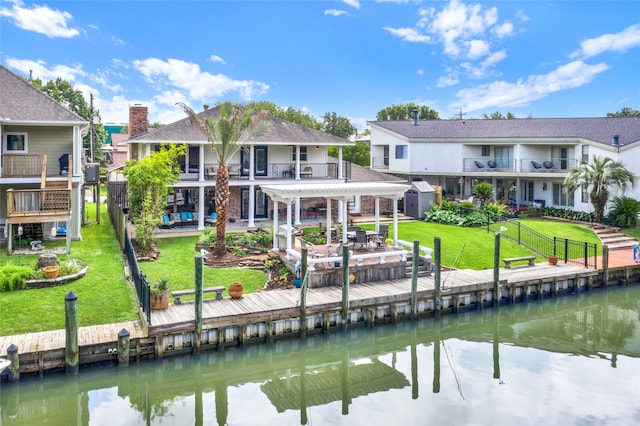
71,358
566,250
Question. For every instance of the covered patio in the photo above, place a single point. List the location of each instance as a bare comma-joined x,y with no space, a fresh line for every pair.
290,195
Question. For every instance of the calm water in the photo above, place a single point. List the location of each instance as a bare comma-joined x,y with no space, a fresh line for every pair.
567,361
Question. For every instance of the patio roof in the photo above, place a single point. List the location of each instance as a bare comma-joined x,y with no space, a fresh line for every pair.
336,191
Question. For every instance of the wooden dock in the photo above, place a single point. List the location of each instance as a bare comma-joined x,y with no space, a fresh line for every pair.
269,315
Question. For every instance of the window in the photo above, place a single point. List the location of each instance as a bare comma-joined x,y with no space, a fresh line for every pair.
584,194
402,152
15,143
504,157
560,197
585,152
303,153
526,189
486,150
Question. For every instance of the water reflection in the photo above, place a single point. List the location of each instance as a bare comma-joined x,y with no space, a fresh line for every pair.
575,358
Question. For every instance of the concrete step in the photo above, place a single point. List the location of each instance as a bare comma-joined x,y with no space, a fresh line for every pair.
616,238
623,244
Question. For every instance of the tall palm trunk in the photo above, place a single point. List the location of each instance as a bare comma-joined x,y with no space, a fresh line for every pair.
222,203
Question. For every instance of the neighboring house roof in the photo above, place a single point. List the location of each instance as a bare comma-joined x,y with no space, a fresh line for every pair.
22,103
282,132
601,130
365,174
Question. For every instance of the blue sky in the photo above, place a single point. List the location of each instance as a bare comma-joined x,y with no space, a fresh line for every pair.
531,58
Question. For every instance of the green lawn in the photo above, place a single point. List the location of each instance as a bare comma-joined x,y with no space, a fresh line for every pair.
104,296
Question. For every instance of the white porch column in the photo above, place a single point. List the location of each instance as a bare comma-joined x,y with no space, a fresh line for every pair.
328,222
297,174
377,213
395,224
252,206
275,225
201,164
201,205
297,212
344,222
251,169
340,171
289,227
341,216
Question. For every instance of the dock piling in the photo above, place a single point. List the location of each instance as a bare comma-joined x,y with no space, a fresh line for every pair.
71,357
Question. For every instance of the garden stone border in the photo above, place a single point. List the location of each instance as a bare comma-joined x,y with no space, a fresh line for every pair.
54,282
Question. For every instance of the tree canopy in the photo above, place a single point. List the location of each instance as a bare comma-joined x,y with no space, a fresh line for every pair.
338,126
624,112
405,112
497,115
598,176
289,114
64,93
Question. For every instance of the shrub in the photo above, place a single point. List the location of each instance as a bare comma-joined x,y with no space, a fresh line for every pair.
13,277
475,218
495,211
624,213
442,216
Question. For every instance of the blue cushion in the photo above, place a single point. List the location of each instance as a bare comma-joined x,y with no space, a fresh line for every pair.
189,215
213,216
165,218
183,216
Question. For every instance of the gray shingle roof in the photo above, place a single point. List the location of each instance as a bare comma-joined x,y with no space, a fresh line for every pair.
22,102
600,129
282,132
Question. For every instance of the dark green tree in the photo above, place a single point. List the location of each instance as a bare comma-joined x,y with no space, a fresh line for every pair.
483,191
599,175
357,154
497,115
64,93
625,212
624,112
338,126
405,112
289,114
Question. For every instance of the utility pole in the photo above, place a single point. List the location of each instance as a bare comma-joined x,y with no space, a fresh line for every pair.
461,113
91,124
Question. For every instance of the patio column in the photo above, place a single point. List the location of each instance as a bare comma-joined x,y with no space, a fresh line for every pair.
297,176
252,206
395,224
345,218
340,211
297,211
328,222
251,168
377,213
340,171
201,163
275,225
201,206
289,227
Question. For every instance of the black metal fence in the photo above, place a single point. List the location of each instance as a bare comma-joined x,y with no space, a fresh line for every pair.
568,251
140,282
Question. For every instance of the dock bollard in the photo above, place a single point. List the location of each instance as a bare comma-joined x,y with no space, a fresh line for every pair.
13,371
123,348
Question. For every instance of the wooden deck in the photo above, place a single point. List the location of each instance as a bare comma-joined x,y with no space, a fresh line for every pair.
279,304
55,339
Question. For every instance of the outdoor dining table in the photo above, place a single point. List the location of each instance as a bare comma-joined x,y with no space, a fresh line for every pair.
371,235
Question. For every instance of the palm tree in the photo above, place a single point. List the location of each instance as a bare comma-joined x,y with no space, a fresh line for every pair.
599,175
227,134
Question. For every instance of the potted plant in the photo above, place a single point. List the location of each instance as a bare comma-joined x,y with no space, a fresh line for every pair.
236,290
51,271
160,294
553,259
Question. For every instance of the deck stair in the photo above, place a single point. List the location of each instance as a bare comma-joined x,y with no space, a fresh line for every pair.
613,238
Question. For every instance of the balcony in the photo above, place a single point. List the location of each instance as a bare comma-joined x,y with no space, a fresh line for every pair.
546,165
22,165
491,165
272,171
38,205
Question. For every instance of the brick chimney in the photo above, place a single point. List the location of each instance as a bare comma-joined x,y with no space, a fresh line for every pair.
138,122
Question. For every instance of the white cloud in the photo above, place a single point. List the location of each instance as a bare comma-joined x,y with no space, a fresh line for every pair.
420,72
200,85
504,94
41,71
409,34
620,42
353,3
217,59
478,49
335,12
40,19
448,80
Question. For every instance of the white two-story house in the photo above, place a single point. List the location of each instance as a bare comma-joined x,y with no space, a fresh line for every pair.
41,174
526,160
288,154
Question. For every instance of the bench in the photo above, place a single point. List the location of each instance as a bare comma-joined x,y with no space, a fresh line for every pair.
179,293
508,261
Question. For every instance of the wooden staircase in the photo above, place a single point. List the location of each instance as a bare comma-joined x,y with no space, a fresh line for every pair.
613,238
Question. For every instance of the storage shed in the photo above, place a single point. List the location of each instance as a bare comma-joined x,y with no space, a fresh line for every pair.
418,199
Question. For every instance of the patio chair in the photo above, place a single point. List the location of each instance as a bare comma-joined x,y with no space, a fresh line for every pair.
381,238
362,239
479,164
166,223
536,165
211,219
311,250
547,164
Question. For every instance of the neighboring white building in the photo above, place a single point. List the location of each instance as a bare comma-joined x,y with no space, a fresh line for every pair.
525,160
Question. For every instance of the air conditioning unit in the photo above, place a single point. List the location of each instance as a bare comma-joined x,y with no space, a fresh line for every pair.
92,173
